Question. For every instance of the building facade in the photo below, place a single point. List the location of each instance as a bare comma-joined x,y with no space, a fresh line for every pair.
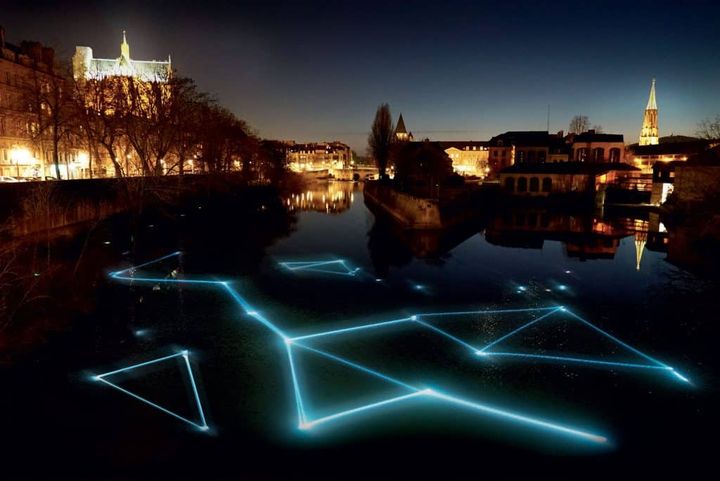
25,152
669,149
525,147
316,156
592,146
544,180
469,157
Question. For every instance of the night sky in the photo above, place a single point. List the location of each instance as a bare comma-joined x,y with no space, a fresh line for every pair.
456,70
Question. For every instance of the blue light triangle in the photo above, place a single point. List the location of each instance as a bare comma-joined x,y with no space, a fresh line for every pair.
202,425
338,267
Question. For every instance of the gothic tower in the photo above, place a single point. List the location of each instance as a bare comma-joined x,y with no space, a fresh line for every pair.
125,49
401,133
649,132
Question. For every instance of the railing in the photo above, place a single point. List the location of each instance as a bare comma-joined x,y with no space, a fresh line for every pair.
642,184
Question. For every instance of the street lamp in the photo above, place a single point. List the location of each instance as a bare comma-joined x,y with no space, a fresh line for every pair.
20,155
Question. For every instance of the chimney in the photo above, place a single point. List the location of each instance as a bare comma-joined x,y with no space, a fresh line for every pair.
2,36
591,131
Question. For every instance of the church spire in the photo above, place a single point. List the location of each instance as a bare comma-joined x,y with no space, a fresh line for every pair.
652,105
125,48
401,132
649,132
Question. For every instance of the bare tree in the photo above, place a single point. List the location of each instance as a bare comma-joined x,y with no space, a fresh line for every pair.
579,124
148,122
189,121
97,105
226,139
273,160
48,98
709,129
163,123
381,138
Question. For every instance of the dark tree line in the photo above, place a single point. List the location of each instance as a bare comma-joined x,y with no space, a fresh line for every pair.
141,127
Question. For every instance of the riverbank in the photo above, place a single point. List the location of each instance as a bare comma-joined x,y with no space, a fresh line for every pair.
457,205
46,208
51,279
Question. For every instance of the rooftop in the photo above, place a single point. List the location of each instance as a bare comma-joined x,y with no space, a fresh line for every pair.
524,138
462,144
688,147
590,168
592,136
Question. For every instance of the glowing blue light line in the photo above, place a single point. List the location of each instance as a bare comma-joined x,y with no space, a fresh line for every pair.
524,326
296,386
295,265
150,403
631,348
317,266
176,253
366,407
184,354
325,271
195,390
358,366
576,360
493,311
518,417
251,312
679,376
610,336
146,363
447,334
351,329
170,281
313,266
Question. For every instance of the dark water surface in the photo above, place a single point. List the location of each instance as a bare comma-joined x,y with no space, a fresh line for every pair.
58,422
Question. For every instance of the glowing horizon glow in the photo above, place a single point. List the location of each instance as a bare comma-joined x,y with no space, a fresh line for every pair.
184,354
292,342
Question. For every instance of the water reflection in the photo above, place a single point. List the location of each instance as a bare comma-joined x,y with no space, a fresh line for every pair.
330,197
584,235
509,257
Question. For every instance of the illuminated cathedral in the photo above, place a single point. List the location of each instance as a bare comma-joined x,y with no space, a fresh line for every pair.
86,67
649,132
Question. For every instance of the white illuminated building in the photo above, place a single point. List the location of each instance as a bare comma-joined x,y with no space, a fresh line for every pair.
86,67
25,153
319,156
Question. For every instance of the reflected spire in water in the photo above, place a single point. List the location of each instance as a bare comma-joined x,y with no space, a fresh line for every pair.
640,240
641,235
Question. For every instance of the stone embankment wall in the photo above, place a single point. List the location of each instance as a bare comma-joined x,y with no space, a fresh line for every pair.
411,212
697,183
28,208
